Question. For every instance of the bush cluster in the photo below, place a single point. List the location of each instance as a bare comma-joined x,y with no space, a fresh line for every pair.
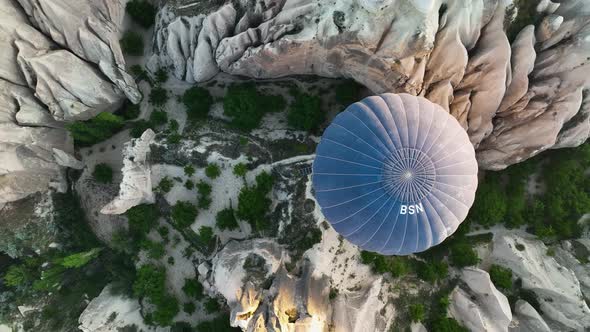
95,130
151,284
132,43
306,112
253,202
397,266
226,219
204,190
183,214
198,101
103,173
246,105
142,12
212,171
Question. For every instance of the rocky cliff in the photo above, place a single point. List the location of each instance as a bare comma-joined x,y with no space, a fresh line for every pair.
60,61
514,99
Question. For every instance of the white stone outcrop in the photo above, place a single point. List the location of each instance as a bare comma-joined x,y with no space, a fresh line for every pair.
514,101
557,288
108,312
527,319
478,305
136,186
60,61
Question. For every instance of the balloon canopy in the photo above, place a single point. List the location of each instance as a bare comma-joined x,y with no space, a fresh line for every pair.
395,174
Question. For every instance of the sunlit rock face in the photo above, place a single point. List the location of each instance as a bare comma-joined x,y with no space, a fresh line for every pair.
60,61
291,301
514,99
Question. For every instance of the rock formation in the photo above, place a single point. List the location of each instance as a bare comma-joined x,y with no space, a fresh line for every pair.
527,319
42,85
478,305
136,186
291,302
556,287
514,101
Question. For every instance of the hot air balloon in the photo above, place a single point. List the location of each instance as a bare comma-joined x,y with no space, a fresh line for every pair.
395,174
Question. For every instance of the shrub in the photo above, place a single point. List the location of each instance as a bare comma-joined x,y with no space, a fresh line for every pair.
142,12
161,75
158,97
212,171
173,138
193,288
155,250
447,324
432,271
206,234
131,111
173,125
226,219
132,43
462,254
212,306
165,311
189,170
17,275
417,312
142,218
501,277
150,283
95,130
348,92
306,113
184,214
189,308
198,101
204,190
253,203
103,173
165,185
218,324
189,184
246,106
490,204
139,127
158,118
396,265
240,169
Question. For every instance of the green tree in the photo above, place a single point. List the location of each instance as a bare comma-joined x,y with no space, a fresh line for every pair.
501,277
158,96
132,43
198,101
142,218
212,306
184,214
206,234
226,220
103,173
348,92
189,308
462,254
417,312
204,189
490,204
212,171
80,259
189,184
161,75
246,105
142,12
158,118
165,184
193,288
95,130
253,203
189,170
139,127
155,250
17,275
432,271
306,113
240,169
447,324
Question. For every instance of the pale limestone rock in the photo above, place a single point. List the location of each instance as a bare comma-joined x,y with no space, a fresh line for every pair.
204,269
65,159
522,62
556,287
478,305
418,327
109,312
548,26
89,29
136,186
359,310
483,85
527,319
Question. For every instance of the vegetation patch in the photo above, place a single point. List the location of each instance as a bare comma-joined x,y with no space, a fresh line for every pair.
198,101
142,12
246,105
132,43
103,173
95,130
